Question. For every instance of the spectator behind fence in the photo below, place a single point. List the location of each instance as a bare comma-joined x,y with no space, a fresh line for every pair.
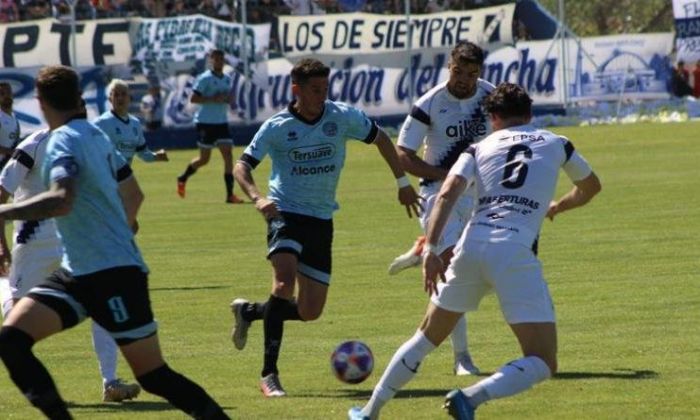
8,11
680,78
304,7
36,9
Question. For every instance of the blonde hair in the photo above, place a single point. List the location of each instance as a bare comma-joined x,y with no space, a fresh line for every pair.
114,84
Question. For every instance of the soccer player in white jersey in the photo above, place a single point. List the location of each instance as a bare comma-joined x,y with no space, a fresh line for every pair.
94,199
515,170
212,92
306,143
9,124
445,121
124,129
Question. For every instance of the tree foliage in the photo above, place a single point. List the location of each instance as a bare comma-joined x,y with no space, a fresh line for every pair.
609,17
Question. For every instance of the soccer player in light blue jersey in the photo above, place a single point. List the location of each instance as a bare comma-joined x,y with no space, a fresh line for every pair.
124,129
212,92
95,199
306,143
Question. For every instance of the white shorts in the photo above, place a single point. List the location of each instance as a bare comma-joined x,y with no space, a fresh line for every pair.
510,270
32,263
461,212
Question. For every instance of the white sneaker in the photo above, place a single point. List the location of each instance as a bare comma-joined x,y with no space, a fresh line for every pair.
404,261
464,365
239,333
118,391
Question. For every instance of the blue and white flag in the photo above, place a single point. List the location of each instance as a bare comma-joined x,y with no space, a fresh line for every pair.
687,22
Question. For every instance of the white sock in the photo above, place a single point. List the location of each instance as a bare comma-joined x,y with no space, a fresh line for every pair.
106,350
512,378
402,367
458,336
5,296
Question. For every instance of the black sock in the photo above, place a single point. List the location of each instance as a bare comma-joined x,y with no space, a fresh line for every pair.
291,311
228,180
189,171
273,325
30,376
182,393
254,311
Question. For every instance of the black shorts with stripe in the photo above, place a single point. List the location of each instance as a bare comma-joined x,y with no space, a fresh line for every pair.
116,298
211,135
309,238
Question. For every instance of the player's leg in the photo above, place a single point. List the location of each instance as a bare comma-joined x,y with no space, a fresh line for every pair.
278,309
436,326
410,258
113,388
155,376
527,307
206,142
118,300
47,309
226,149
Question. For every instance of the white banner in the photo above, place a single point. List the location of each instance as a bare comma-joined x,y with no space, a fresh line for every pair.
48,42
168,46
687,22
364,33
599,68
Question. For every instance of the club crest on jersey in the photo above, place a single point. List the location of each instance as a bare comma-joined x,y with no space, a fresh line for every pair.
330,129
312,153
118,130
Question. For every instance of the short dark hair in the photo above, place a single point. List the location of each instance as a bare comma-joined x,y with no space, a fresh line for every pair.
508,100
307,68
216,51
59,86
466,52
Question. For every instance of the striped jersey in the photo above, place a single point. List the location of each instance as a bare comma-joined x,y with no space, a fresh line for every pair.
446,125
307,156
22,178
9,132
516,172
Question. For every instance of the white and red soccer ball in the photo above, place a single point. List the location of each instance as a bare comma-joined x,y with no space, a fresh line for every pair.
352,362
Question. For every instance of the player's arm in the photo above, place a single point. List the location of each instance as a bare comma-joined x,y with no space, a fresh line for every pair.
57,201
407,195
586,183
416,166
219,98
581,193
243,173
132,197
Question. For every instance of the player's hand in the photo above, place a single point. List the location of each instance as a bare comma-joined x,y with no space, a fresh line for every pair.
161,155
433,269
553,210
411,200
267,208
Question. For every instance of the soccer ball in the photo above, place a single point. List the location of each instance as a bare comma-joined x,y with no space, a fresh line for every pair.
352,362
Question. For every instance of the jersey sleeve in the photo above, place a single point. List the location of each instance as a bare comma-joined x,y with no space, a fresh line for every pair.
360,127
258,147
414,129
61,160
199,84
575,166
16,170
465,166
142,149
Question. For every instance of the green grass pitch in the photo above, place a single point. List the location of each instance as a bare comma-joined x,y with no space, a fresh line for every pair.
623,273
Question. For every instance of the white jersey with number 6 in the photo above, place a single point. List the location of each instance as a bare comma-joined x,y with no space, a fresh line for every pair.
515,171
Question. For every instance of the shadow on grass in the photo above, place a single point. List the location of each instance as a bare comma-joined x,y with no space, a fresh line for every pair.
617,374
128,406
168,289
